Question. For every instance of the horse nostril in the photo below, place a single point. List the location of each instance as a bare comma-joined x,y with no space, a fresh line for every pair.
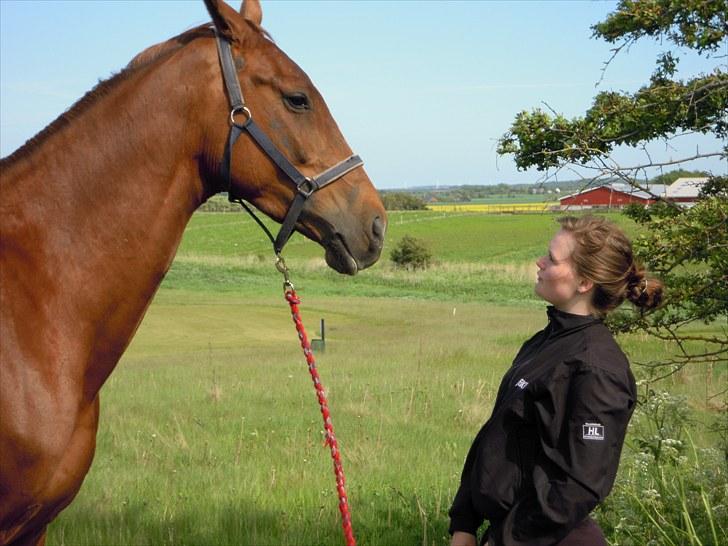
378,228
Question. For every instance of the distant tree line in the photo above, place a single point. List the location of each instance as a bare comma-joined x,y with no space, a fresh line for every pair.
401,201
467,193
669,178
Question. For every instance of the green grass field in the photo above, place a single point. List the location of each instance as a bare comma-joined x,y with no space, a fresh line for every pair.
210,431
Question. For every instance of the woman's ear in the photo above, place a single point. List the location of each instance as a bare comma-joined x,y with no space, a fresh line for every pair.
585,285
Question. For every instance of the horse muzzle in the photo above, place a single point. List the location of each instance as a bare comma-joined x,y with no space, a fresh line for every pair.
348,254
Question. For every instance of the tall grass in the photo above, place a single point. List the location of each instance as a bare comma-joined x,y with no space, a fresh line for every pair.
210,432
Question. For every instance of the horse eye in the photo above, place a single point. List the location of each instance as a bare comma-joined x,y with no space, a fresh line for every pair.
297,101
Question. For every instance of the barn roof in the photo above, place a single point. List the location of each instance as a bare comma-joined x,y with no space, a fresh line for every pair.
686,187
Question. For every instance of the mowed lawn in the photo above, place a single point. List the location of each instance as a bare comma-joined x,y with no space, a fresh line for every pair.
210,431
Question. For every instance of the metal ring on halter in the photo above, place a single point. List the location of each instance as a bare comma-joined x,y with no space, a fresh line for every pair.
240,110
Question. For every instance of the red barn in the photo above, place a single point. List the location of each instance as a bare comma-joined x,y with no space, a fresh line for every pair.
611,196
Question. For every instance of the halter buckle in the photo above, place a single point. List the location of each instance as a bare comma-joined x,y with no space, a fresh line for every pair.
306,187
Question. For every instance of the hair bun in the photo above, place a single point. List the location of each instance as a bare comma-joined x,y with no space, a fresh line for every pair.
646,293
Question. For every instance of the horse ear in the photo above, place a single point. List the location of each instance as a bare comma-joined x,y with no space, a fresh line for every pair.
251,11
226,20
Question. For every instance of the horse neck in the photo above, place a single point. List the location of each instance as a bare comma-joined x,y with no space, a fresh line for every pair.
103,203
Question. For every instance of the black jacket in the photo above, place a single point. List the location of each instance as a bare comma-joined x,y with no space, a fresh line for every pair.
549,452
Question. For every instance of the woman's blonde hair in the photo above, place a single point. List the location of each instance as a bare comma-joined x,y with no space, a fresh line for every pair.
603,255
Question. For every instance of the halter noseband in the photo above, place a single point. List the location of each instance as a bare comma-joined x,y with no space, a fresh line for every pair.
305,186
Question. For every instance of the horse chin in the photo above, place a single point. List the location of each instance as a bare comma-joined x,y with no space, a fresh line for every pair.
339,258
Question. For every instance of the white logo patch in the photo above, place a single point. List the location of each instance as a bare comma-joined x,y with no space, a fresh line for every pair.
592,431
522,384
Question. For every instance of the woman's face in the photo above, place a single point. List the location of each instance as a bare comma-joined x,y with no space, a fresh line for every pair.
557,281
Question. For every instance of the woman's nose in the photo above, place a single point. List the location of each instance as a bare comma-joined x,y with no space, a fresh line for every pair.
540,262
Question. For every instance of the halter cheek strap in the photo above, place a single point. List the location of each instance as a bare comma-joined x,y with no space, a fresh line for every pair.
305,186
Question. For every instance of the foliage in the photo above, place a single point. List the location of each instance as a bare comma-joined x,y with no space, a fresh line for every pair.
687,248
402,201
681,500
411,253
662,108
716,186
720,427
697,24
668,491
661,419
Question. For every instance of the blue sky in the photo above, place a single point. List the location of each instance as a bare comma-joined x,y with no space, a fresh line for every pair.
421,90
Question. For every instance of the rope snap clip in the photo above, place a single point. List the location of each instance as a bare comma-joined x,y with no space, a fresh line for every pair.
283,269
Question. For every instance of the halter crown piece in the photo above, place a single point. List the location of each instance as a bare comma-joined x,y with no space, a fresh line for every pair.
305,186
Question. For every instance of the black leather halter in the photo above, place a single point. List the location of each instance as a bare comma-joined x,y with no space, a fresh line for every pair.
305,186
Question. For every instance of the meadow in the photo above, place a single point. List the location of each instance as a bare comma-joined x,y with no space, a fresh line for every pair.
210,432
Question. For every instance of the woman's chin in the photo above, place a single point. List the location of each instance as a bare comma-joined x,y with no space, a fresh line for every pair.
536,289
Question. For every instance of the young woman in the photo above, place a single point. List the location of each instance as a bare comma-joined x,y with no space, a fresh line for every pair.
549,452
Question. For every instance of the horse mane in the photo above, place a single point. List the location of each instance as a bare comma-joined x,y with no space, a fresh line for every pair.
143,59
164,49
65,119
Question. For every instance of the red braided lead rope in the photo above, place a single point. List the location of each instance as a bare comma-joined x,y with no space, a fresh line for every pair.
293,301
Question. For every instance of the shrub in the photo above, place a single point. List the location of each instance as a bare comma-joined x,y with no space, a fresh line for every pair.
219,203
411,253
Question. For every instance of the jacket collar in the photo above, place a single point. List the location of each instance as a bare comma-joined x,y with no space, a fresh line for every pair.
560,321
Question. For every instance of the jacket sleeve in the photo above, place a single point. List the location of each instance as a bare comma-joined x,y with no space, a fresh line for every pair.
581,424
463,515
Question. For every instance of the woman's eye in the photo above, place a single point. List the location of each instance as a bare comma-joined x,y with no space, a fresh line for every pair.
297,101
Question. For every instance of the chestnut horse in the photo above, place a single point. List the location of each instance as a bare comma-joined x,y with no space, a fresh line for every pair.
92,210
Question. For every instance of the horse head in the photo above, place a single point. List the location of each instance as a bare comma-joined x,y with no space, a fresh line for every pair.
347,217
